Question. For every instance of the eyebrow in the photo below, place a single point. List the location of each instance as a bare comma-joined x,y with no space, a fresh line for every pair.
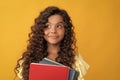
57,23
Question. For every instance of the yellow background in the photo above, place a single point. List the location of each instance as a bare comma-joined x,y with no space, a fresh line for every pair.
97,27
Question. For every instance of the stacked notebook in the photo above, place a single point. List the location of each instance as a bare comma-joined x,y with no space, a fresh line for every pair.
50,70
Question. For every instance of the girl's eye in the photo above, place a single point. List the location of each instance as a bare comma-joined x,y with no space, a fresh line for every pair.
59,26
48,26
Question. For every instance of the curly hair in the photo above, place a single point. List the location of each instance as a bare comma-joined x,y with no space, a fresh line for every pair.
37,46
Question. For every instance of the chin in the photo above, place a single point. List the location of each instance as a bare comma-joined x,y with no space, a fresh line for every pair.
53,43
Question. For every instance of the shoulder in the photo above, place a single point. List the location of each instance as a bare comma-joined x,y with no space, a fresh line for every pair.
80,65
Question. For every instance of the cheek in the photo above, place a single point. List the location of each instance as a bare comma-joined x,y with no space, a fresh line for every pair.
45,33
62,33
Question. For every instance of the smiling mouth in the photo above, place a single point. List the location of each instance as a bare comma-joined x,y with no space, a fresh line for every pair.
53,36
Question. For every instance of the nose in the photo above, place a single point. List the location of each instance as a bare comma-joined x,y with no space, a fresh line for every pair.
53,30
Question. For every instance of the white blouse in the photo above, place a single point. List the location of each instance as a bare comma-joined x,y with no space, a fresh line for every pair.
81,66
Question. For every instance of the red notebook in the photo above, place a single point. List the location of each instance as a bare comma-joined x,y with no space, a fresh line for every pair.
48,72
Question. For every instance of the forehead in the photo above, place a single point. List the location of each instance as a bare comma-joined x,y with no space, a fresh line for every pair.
55,19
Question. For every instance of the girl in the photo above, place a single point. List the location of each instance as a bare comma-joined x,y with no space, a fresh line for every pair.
51,36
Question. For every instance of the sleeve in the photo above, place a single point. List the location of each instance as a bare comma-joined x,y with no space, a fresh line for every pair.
81,66
20,71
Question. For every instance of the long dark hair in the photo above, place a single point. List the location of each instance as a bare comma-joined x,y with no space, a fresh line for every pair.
37,47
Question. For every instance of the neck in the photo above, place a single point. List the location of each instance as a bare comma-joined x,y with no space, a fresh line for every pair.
53,51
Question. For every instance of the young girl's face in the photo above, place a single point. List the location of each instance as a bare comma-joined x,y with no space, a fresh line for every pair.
54,31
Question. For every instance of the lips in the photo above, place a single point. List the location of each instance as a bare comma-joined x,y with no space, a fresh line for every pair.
53,37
